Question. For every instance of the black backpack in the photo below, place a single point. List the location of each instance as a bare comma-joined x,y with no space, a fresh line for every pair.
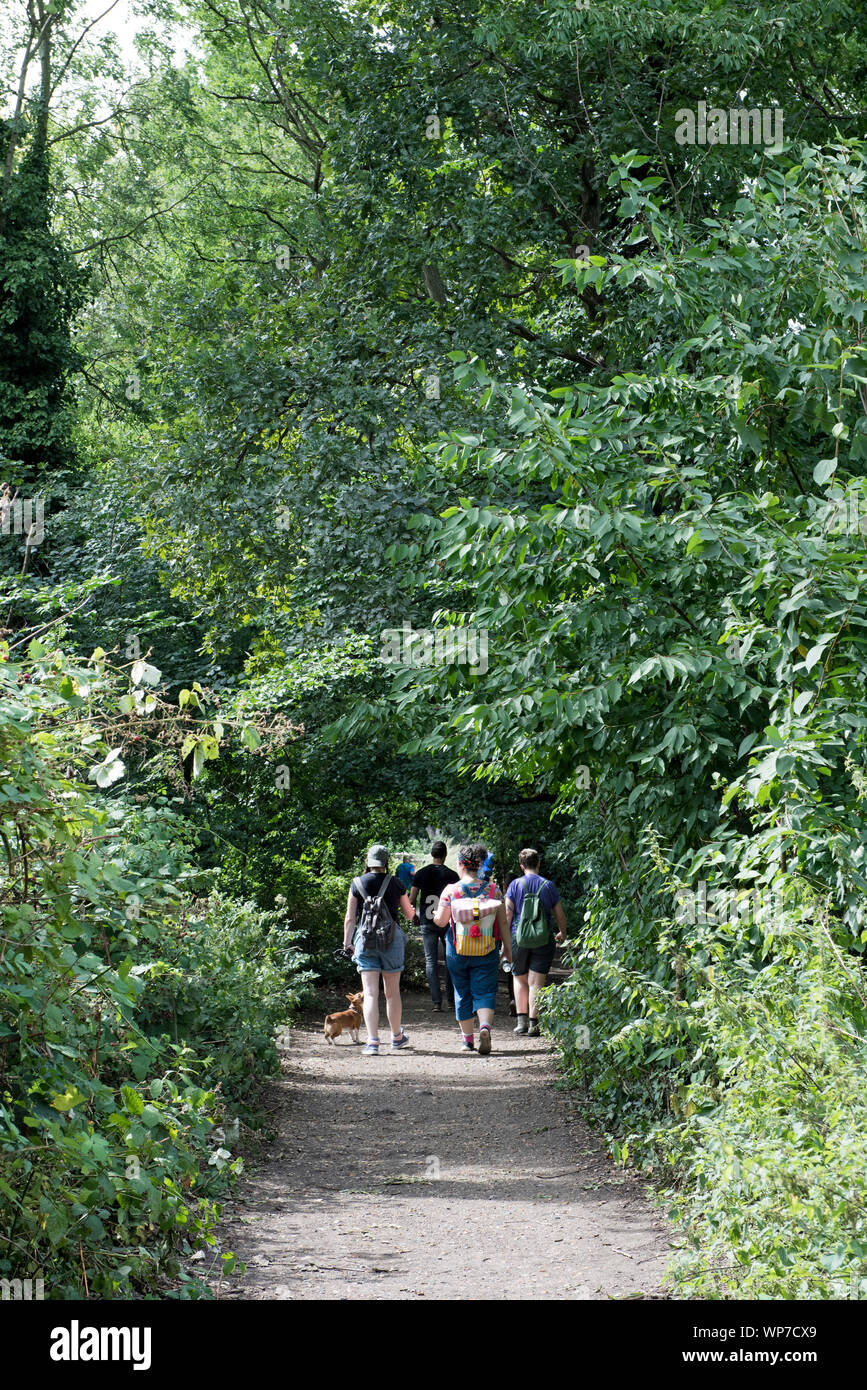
377,922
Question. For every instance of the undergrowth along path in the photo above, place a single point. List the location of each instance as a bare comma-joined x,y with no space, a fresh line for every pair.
432,1173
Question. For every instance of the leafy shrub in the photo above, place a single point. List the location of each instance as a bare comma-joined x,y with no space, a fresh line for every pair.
234,976
732,1068
773,1157
130,1017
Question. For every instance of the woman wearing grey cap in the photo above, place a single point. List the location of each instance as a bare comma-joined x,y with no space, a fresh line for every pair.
383,895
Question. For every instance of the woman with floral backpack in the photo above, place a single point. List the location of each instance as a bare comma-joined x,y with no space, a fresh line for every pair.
476,916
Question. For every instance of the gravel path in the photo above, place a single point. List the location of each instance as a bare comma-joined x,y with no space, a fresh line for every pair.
430,1173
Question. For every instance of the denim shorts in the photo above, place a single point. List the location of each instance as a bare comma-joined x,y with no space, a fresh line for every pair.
475,980
389,960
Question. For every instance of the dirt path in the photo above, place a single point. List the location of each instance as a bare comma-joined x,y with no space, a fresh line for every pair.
430,1173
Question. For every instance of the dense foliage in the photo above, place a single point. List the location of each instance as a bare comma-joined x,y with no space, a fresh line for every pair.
137,1010
404,317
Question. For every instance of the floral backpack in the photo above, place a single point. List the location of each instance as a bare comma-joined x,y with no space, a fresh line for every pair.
474,919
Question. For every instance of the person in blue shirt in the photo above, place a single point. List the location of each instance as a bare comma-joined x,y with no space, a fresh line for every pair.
531,965
405,871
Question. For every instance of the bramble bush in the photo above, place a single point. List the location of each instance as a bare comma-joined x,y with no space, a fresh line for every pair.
233,974
135,1021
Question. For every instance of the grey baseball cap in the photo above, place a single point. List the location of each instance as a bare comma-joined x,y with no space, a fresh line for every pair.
377,857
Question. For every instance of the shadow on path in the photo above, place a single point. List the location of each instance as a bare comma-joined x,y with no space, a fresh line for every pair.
391,1173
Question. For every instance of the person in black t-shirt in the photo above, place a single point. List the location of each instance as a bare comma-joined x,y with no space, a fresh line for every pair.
427,886
371,963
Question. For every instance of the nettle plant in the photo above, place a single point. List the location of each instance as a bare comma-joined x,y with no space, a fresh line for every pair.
131,1021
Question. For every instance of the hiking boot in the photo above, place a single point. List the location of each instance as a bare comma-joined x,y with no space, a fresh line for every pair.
533,1028
484,1042
467,1046
522,1024
438,1008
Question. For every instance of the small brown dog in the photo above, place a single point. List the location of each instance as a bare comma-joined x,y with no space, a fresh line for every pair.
350,1019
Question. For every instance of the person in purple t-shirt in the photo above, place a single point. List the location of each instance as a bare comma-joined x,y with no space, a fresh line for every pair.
531,965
